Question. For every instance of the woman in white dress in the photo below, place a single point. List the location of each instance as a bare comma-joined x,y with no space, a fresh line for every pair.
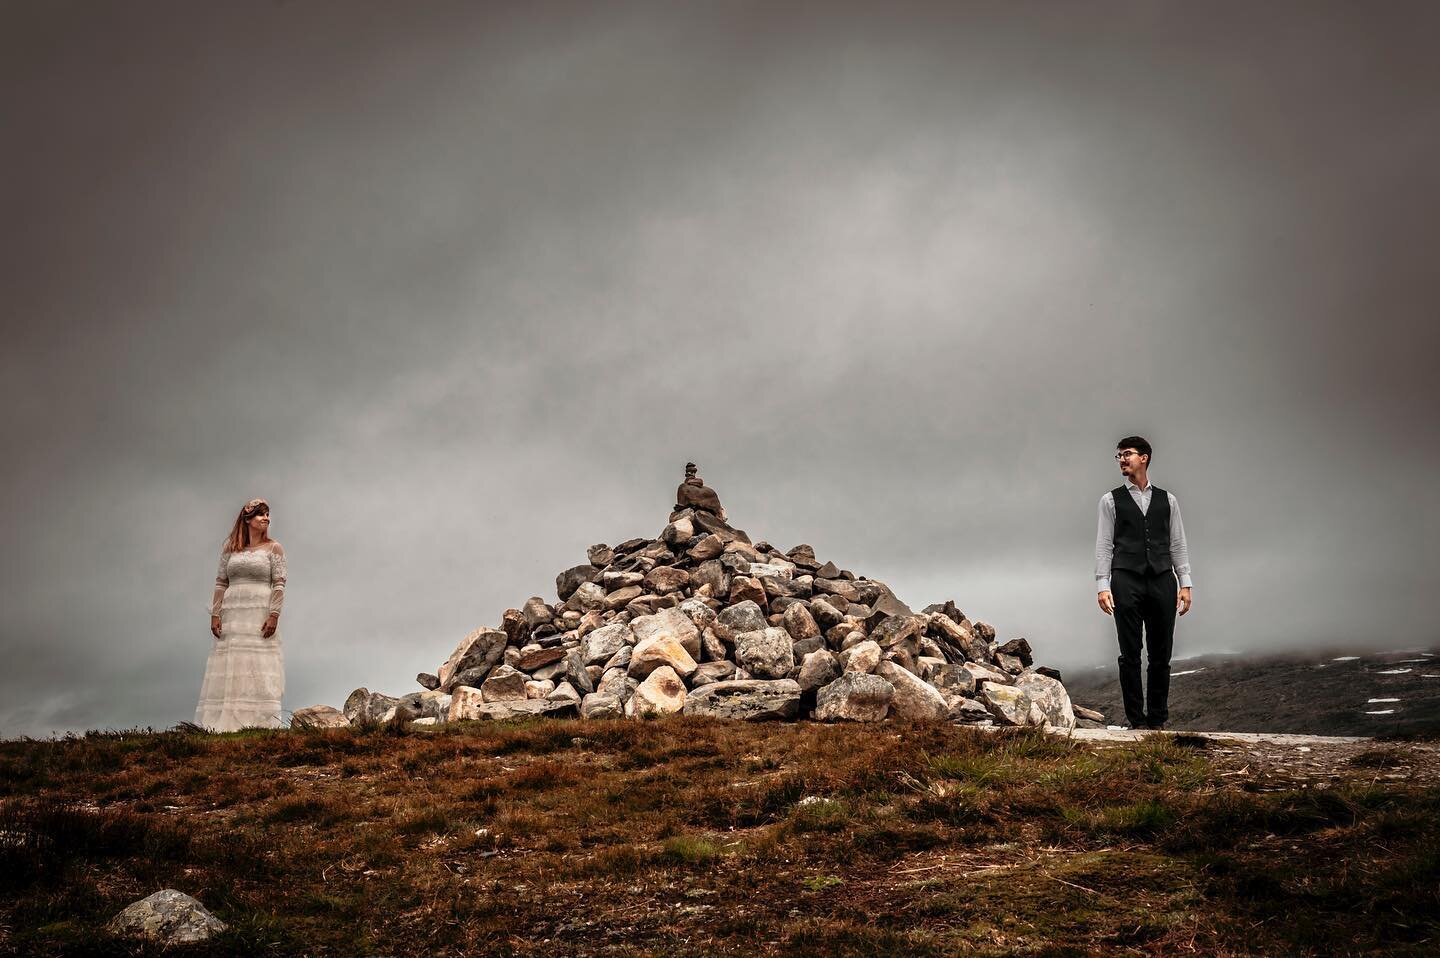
245,674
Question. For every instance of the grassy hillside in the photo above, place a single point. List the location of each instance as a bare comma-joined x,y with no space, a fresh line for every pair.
691,836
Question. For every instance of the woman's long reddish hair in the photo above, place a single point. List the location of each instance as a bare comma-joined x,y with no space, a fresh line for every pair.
239,537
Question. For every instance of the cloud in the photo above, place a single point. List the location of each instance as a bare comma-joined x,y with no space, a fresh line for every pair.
460,290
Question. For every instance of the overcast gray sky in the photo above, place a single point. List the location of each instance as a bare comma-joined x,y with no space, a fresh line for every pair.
461,287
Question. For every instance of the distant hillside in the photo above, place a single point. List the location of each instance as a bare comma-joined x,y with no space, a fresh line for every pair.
1372,693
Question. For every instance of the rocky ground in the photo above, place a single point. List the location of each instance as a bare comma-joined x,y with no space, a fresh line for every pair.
1275,762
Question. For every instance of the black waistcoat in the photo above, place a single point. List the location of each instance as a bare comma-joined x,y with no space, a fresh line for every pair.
1142,539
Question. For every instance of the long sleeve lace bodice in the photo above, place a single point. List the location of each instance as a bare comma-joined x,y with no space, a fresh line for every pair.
254,566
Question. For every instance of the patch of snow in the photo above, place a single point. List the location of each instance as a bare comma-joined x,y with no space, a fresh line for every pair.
1373,701
1187,672
1346,658
1407,661
1428,675
1394,671
1382,712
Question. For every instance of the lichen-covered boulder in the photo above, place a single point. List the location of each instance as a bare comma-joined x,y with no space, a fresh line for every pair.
1009,705
752,700
1049,698
505,684
854,697
170,917
913,699
766,654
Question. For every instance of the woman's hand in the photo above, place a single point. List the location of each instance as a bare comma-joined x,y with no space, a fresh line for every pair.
215,626
271,624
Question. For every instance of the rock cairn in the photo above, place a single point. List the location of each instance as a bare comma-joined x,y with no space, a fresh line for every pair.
703,621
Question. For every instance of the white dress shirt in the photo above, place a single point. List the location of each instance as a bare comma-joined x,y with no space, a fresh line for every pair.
1105,536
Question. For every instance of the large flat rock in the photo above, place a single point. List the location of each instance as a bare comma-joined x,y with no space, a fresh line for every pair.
752,700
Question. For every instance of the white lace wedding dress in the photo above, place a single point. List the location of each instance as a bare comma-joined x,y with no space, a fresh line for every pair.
245,674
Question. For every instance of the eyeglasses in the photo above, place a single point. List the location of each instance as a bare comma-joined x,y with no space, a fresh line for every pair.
1122,456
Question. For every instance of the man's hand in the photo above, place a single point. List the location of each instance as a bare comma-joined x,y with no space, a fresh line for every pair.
1107,601
215,626
1182,601
271,624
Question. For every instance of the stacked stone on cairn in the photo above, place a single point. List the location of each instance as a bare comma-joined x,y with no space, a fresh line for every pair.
704,622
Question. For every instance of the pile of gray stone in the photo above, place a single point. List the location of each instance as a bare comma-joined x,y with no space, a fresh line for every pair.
702,620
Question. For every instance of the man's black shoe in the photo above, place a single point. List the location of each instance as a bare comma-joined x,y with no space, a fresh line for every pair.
1155,726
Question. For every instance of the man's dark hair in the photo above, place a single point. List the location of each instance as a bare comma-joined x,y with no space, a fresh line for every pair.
1137,443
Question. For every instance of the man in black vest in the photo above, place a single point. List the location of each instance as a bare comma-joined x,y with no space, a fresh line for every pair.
1140,552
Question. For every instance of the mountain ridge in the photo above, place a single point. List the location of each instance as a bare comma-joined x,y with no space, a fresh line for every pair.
1392,693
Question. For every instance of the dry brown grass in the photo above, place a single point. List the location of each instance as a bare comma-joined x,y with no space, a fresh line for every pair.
695,836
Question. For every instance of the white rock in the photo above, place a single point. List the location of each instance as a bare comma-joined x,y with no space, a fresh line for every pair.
319,716
434,705
855,697
537,689
863,656
463,702
708,672
657,653
1049,698
681,530
598,646
668,624
930,666
773,570
983,674
564,692
767,654
701,614
504,684
597,705
663,693
480,647
613,683
818,668
914,700
752,701
589,597
1008,704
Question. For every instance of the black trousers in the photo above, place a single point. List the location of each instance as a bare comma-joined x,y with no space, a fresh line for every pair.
1145,603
